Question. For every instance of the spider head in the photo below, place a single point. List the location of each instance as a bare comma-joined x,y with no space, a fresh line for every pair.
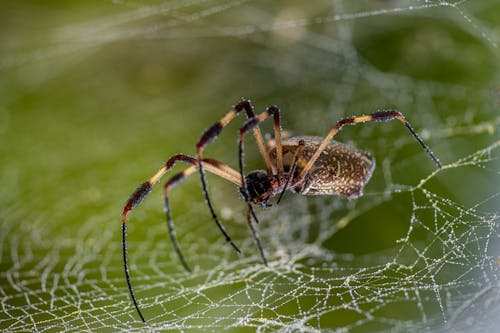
258,187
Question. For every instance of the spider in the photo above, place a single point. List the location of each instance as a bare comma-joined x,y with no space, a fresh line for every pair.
305,165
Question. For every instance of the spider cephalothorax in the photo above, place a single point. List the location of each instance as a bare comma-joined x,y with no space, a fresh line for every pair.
306,165
258,187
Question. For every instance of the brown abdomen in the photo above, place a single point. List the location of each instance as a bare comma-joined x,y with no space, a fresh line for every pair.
341,169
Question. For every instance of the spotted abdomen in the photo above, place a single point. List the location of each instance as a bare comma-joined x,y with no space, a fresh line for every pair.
341,169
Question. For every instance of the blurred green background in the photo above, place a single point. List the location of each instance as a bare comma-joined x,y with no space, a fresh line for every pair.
96,95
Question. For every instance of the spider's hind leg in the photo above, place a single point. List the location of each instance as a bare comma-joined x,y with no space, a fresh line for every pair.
377,116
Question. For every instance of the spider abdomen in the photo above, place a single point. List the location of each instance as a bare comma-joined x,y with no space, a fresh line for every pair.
341,169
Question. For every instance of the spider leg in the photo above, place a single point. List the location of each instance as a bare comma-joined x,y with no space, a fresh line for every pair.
251,213
172,182
211,134
251,123
271,142
216,167
127,273
298,152
213,131
144,189
381,115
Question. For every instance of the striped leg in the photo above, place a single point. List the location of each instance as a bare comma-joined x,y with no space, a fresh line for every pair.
382,115
296,156
211,134
213,166
134,200
213,131
251,124
145,188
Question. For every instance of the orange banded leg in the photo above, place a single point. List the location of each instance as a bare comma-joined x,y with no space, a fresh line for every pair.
211,165
298,152
251,124
211,134
145,188
382,115
213,131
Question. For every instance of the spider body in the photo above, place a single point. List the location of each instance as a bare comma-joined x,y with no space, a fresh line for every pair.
305,165
341,169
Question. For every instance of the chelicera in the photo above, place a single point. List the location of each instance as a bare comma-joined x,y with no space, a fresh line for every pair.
305,165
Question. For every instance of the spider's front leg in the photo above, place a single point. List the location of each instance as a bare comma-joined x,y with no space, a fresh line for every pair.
209,136
134,200
251,124
145,188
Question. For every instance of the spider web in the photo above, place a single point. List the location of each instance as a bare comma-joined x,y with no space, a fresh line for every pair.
434,267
